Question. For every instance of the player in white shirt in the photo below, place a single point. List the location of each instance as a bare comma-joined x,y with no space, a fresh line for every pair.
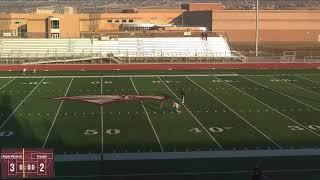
176,106
24,71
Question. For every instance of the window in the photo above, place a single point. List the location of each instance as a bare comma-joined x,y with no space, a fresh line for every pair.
55,35
124,20
15,32
55,24
109,21
117,21
130,20
17,21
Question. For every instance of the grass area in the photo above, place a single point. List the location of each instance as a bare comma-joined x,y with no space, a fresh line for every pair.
265,109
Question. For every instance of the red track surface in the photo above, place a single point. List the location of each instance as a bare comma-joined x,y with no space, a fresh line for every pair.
97,67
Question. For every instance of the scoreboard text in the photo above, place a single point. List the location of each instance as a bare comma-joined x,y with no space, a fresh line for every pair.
27,163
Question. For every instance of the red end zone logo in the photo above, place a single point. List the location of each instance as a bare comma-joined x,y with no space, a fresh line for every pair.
106,99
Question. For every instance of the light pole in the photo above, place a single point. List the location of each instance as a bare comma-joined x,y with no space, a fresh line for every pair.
257,27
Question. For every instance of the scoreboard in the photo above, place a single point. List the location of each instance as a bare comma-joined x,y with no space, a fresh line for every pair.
27,163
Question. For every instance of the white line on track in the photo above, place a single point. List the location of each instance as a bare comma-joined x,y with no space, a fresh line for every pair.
144,108
21,103
271,108
281,93
271,140
194,173
56,115
197,120
101,111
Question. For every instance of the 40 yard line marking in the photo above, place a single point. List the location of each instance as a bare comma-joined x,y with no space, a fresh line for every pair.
144,108
21,103
271,108
55,117
267,87
197,120
271,140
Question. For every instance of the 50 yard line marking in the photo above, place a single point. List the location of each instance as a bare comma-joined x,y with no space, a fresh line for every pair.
197,120
101,111
144,108
270,107
271,140
21,103
55,117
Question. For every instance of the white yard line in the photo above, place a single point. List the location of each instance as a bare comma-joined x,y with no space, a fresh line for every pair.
297,86
197,120
270,107
144,108
282,93
271,140
56,115
7,83
316,82
21,103
101,111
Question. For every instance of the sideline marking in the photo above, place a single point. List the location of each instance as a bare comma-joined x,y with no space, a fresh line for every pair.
22,101
144,108
276,144
203,127
55,117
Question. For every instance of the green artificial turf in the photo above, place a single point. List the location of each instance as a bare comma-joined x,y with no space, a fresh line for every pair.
266,109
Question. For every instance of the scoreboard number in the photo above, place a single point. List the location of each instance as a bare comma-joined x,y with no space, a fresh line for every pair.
27,163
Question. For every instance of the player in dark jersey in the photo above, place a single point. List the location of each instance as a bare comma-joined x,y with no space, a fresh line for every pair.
182,95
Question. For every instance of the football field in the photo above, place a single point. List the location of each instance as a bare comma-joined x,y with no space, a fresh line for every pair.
223,110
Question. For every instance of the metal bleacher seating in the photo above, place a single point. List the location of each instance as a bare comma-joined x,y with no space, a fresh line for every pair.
120,47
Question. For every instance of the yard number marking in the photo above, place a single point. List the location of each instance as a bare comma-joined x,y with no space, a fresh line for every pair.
211,129
219,81
299,128
90,132
98,82
6,133
113,131
34,83
284,80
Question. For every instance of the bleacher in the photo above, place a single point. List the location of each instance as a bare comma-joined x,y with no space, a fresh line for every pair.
120,47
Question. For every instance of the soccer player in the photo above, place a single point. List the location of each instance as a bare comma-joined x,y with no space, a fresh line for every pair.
24,71
182,95
176,106
34,71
